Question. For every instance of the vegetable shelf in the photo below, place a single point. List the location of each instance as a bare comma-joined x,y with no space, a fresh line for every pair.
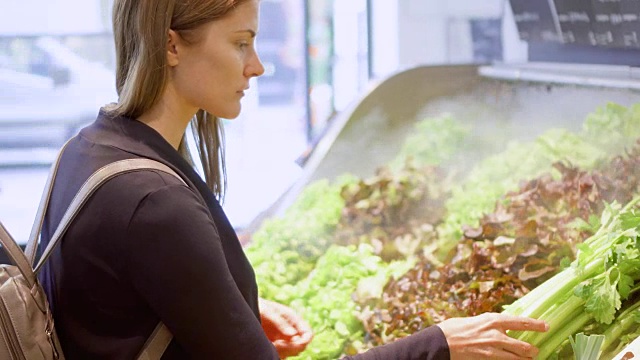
442,192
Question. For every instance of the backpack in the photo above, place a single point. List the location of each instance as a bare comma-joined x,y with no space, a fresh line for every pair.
26,324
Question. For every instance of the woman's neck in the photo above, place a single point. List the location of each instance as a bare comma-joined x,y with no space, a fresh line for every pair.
169,117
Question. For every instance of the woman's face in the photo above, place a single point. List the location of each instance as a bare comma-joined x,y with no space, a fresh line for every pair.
213,72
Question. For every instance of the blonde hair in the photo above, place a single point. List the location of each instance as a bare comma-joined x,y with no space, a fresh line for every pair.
141,30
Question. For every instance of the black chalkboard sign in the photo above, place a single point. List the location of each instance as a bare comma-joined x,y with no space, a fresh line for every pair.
607,23
580,31
535,20
601,23
630,11
576,19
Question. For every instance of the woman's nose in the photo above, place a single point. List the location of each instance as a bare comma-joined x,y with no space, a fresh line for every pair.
255,67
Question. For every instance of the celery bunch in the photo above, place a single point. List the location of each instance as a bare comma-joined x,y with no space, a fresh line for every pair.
603,275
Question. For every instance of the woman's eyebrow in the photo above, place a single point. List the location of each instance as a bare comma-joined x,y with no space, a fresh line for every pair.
251,32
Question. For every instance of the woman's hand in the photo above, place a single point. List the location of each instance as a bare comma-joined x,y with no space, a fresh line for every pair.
485,337
284,328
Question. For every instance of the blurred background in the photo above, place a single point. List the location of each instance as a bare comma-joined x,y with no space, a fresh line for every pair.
57,69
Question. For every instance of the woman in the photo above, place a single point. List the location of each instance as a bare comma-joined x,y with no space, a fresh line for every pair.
147,249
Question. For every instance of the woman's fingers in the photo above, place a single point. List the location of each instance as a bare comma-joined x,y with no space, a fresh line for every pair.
520,348
302,327
303,337
287,348
303,332
485,336
519,323
277,317
288,332
504,322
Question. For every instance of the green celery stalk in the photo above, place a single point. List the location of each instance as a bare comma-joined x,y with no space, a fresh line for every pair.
557,318
555,302
542,297
578,320
586,347
623,323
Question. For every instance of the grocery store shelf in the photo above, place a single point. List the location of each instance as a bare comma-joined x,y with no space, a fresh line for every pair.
371,129
538,96
606,76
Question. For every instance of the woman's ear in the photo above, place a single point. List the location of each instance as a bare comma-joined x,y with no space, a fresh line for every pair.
172,48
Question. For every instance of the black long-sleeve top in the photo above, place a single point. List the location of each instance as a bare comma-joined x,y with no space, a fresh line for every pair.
146,248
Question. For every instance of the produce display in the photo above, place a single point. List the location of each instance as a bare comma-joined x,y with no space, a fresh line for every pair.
589,293
284,250
606,131
370,260
529,237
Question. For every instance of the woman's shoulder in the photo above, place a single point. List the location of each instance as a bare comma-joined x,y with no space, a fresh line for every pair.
132,189
141,183
81,159
141,198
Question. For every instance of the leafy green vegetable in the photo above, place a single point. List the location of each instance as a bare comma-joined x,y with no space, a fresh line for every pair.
284,250
593,287
613,126
324,298
433,141
622,331
608,130
395,211
515,249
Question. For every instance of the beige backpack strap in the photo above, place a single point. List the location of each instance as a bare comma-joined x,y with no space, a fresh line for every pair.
156,344
36,229
17,256
92,184
161,336
25,260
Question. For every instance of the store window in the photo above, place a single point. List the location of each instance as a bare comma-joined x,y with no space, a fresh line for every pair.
338,55
57,83
407,34
320,57
265,143
57,67
60,50
351,64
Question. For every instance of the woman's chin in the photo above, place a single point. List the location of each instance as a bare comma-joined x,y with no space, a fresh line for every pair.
229,114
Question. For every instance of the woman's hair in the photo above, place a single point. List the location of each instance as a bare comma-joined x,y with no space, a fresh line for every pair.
141,30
